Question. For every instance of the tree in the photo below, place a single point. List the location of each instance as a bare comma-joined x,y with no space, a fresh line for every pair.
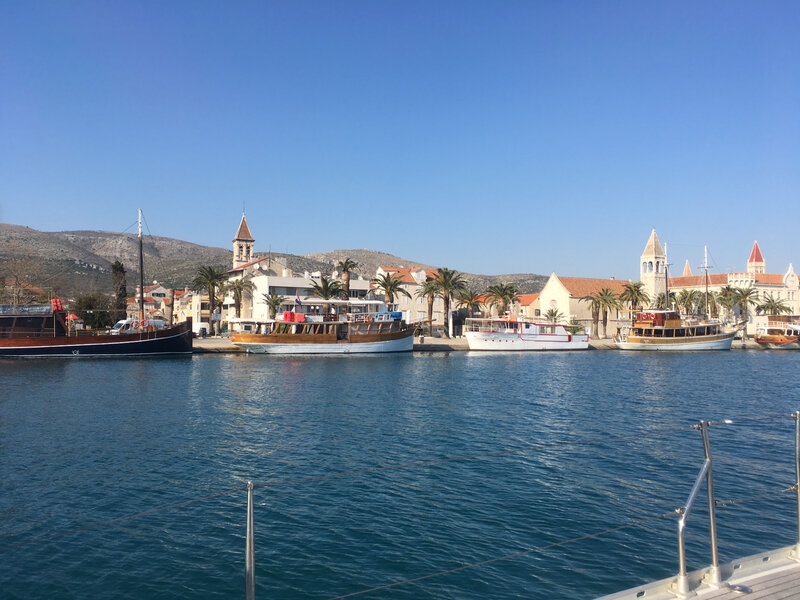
238,288
389,284
608,301
773,306
470,300
686,301
553,315
209,278
94,309
273,301
594,305
502,295
726,298
120,288
345,267
326,289
635,295
430,291
744,298
450,283
661,301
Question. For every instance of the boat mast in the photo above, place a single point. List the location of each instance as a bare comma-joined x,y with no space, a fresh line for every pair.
666,278
141,271
705,268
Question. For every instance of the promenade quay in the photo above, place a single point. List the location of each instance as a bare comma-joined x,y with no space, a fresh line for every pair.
221,345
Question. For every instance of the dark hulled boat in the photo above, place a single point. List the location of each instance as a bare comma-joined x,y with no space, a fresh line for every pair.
42,330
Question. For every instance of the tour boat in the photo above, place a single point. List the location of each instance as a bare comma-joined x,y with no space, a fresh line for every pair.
507,334
343,333
780,333
42,330
664,330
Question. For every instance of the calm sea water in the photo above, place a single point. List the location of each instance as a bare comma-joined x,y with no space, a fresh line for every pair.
84,443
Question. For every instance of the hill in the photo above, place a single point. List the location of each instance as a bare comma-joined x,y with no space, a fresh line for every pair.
69,263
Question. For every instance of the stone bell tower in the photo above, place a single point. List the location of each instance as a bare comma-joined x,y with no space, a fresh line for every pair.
653,272
242,245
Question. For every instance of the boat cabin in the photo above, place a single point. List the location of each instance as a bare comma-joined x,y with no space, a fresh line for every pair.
33,320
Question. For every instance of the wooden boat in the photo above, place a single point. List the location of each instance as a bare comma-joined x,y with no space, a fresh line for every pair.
507,334
664,330
299,333
781,333
42,330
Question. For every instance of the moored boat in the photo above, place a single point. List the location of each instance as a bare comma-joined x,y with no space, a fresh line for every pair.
780,333
338,333
665,330
42,330
507,334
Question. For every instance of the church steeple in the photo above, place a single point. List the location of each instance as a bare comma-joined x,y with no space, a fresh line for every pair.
242,244
756,264
653,271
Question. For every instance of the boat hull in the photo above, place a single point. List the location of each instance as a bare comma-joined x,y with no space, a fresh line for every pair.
479,340
775,342
718,342
402,341
176,340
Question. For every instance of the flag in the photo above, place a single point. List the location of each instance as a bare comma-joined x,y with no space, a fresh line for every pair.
297,299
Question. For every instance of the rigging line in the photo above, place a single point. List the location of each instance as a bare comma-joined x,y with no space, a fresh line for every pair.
437,461
791,488
510,556
120,519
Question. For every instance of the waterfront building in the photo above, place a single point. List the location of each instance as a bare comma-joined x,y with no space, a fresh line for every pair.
780,286
528,306
415,308
565,295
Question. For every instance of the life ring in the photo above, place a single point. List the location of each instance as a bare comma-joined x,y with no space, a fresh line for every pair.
145,324
369,318
135,325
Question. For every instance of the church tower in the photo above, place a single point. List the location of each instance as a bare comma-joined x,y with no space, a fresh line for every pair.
653,271
242,245
756,264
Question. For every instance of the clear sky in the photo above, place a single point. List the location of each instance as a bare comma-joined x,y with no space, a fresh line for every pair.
490,137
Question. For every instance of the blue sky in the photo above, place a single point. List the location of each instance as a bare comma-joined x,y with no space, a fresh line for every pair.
489,137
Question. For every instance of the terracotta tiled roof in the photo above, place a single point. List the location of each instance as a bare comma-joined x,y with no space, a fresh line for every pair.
251,263
150,288
698,280
405,274
578,287
243,233
527,299
24,286
755,254
769,278
147,300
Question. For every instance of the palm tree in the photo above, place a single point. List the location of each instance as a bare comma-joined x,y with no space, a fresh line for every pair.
594,305
744,298
450,283
209,278
238,288
553,315
470,300
661,301
326,289
273,301
686,301
635,295
608,301
773,306
390,286
502,295
429,290
345,267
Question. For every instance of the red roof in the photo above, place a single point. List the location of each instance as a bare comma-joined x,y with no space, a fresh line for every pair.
252,262
579,287
135,300
243,233
527,299
405,274
755,255
769,278
699,280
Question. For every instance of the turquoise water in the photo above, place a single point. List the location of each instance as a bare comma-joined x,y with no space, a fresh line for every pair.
519,451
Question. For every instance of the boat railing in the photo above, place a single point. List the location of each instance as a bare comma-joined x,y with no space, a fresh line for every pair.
713,578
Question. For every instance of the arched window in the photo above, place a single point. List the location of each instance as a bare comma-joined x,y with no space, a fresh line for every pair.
650,266
644,267
658,267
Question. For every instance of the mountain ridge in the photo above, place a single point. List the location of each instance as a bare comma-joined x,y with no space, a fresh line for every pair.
69,263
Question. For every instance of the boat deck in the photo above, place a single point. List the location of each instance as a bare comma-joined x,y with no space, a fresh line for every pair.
774,575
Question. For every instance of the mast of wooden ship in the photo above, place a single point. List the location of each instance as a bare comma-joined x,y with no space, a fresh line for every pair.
141,271
705,268
666,279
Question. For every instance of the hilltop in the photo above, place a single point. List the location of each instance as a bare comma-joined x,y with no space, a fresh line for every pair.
73,262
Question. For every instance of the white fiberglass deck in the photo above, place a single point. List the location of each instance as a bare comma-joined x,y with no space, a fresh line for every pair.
773,575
